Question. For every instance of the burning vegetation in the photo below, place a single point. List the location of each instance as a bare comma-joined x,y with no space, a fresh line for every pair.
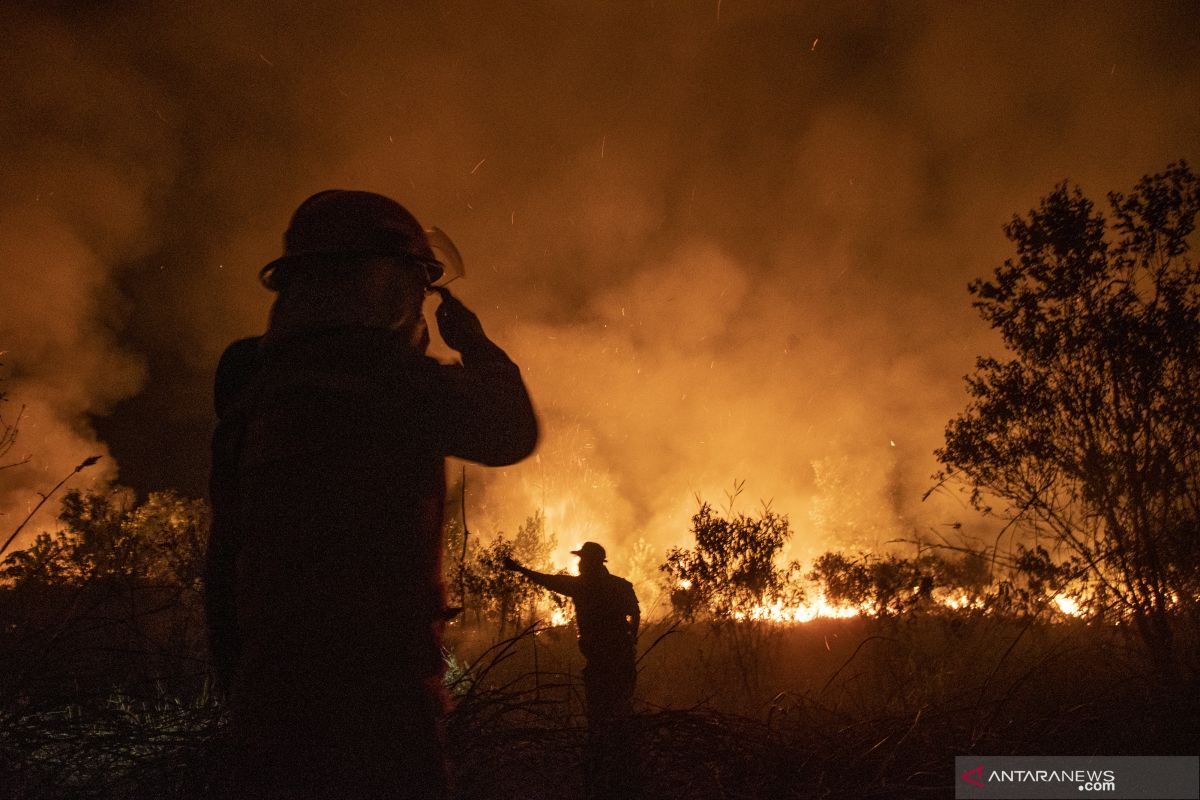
734,573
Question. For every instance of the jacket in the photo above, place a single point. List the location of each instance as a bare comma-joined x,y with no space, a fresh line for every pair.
327,489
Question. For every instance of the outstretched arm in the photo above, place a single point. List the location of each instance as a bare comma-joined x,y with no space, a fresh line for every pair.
563,584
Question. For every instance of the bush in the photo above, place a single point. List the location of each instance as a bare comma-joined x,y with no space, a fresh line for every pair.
732,569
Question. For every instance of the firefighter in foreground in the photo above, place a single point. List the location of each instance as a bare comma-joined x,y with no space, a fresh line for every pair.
323,580
607,617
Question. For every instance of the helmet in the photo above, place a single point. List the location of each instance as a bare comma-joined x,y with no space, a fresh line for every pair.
342,222
590,551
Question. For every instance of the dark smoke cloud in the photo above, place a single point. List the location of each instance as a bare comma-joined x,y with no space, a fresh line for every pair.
79,166
725,240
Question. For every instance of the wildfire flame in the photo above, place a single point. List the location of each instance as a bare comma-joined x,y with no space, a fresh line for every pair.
1067,605
822,608
804,612
961,601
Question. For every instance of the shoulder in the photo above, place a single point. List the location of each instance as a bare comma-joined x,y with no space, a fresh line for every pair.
373,364
239,352
620,584
237,364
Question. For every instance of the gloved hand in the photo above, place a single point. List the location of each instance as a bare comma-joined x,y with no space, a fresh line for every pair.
459,326
508,563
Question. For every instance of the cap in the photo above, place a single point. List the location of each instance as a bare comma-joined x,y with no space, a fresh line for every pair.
345,222
590,551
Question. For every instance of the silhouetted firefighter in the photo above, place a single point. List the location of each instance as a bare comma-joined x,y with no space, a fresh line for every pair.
323,581
607,618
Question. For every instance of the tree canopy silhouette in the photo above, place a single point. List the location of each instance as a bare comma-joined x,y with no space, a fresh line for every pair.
1089,428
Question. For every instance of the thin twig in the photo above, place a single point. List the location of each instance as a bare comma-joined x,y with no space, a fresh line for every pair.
87,462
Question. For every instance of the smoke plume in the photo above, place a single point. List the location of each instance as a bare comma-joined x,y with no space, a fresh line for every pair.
725,241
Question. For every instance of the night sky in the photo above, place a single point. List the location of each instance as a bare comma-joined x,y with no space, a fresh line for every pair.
725,240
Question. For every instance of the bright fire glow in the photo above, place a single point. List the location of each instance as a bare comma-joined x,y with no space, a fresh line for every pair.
960,601
822,608
1067,605
563,560
804,612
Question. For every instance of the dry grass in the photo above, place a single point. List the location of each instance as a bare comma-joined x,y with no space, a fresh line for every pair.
833,709
859,708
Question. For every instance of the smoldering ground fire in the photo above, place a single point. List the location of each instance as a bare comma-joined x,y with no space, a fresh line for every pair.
721,251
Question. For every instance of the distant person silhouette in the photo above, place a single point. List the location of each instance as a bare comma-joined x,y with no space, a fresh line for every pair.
607,618
323,579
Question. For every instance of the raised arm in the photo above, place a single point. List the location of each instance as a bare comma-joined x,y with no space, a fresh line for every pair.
487,415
